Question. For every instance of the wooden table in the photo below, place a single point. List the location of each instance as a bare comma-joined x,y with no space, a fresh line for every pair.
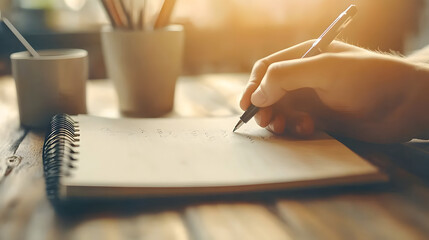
397,210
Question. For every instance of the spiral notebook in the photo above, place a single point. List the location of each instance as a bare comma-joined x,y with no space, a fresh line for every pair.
93,157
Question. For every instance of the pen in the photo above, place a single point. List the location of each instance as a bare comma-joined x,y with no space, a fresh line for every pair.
164,14
318,46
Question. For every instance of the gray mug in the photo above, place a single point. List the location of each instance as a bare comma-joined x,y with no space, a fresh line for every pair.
50,84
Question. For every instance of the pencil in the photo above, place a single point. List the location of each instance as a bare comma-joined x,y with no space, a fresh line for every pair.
131,12
127,13
140,19
164,14
109,14
114,12
143,14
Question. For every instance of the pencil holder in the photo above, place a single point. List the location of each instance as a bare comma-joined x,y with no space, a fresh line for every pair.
144,67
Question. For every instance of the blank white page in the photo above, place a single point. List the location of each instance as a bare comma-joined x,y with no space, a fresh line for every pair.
202,152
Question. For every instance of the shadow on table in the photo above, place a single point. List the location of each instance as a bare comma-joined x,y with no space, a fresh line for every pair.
79,208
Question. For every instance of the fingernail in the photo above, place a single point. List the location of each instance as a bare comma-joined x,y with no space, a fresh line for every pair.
258,98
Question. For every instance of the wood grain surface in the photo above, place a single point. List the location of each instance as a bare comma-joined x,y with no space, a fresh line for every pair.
397,210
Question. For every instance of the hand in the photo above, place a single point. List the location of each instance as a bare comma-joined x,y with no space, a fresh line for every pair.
347,90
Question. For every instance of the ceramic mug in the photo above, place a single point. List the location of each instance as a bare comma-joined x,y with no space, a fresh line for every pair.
50,84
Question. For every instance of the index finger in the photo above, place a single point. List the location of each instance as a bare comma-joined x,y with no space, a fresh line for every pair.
260,68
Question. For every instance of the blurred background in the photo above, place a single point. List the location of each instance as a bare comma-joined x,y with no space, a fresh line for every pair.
221,35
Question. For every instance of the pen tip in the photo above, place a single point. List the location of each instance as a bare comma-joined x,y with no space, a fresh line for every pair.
239,124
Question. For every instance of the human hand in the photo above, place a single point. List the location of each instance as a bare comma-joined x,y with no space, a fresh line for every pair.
347,90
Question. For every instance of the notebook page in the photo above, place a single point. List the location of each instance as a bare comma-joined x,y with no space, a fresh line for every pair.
195,152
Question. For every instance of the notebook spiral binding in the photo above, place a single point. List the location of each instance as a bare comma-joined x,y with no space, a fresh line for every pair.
59,152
